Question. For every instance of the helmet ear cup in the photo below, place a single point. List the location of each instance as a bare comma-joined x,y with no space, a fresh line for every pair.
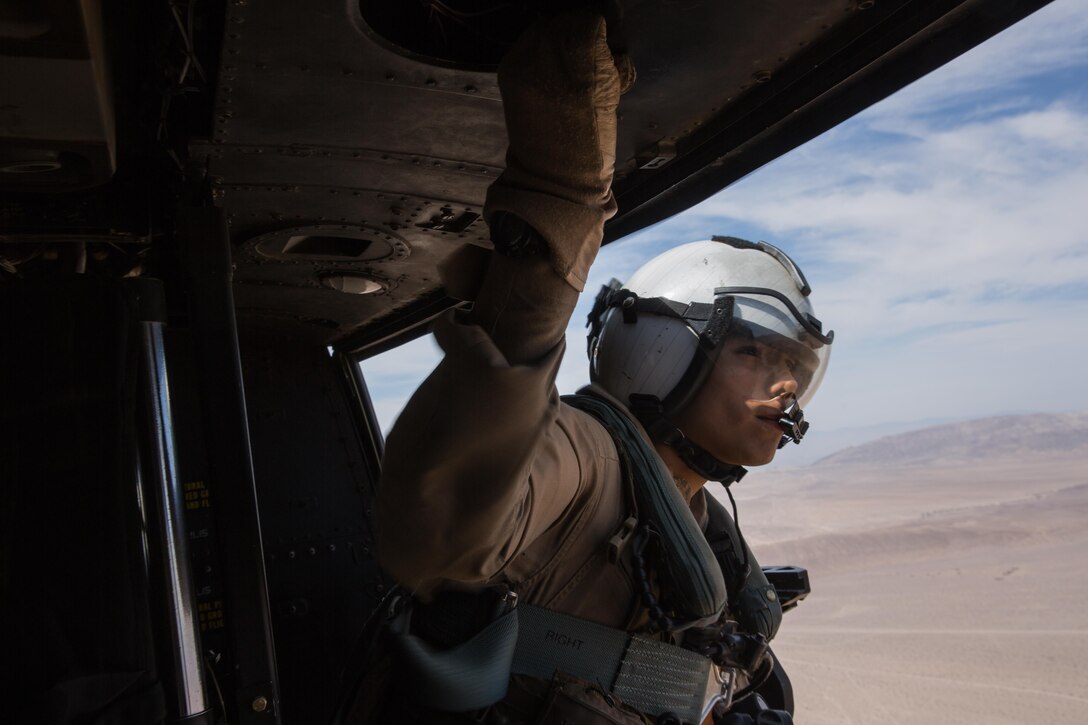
648,356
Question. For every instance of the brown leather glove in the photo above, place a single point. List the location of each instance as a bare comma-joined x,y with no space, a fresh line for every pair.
560,88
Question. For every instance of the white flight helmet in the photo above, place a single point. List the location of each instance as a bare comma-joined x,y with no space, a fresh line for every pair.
655,340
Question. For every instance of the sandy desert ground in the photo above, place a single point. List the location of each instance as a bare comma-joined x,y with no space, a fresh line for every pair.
950,591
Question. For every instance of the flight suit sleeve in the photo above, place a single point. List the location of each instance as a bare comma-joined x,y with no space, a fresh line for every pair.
482,460
478,464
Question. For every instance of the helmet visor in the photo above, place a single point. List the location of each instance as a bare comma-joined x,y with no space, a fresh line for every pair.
785,355
771,319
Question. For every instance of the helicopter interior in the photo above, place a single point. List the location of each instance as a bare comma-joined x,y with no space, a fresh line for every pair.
213,209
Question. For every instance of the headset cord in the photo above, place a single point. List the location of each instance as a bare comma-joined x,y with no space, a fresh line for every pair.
740,534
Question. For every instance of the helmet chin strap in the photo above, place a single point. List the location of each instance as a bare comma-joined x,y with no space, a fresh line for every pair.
697,458
649,410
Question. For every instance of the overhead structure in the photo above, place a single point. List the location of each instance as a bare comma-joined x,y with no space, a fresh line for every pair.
355,141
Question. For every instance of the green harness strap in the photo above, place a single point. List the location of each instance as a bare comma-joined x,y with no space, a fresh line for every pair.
693,578
695,561
651,676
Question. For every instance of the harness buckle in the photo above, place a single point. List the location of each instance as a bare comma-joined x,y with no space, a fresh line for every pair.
505,602
720,688
619,541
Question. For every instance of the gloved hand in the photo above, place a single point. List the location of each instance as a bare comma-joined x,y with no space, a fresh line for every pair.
560,88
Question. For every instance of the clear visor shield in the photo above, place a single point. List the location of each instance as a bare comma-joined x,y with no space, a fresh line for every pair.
791,341
783,359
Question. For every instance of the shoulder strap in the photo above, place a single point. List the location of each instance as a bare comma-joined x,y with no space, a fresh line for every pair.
753,601
697,589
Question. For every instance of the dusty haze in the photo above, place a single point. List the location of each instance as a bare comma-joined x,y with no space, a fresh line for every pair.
949,571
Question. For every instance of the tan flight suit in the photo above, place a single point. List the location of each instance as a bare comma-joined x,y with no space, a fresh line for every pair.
489,479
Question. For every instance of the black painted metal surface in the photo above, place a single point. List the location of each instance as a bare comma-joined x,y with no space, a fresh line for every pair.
380,122
79,609
207,271
322,122
316,473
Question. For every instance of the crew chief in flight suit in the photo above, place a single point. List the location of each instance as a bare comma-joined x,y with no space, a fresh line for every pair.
488,478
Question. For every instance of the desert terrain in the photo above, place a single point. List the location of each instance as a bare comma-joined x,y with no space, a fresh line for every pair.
949,570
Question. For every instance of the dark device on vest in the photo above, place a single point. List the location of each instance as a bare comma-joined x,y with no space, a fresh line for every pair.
790,583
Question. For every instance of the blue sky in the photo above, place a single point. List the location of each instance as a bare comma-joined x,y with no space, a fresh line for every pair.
944,232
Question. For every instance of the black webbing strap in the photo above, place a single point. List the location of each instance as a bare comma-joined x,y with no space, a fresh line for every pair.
630,304
709,321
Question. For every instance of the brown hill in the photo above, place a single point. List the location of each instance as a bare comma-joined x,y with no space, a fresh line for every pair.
1011,436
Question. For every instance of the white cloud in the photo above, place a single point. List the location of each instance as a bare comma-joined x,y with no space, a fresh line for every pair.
1050,41
943,231
942,228
392,376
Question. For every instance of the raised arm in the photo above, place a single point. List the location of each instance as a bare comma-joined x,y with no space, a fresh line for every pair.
480,461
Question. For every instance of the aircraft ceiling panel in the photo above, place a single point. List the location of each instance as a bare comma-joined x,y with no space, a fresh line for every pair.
299,117
321,121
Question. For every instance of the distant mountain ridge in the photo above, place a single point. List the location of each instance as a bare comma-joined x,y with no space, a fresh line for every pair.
985,438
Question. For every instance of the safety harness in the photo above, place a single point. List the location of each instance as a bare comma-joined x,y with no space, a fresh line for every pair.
461,650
